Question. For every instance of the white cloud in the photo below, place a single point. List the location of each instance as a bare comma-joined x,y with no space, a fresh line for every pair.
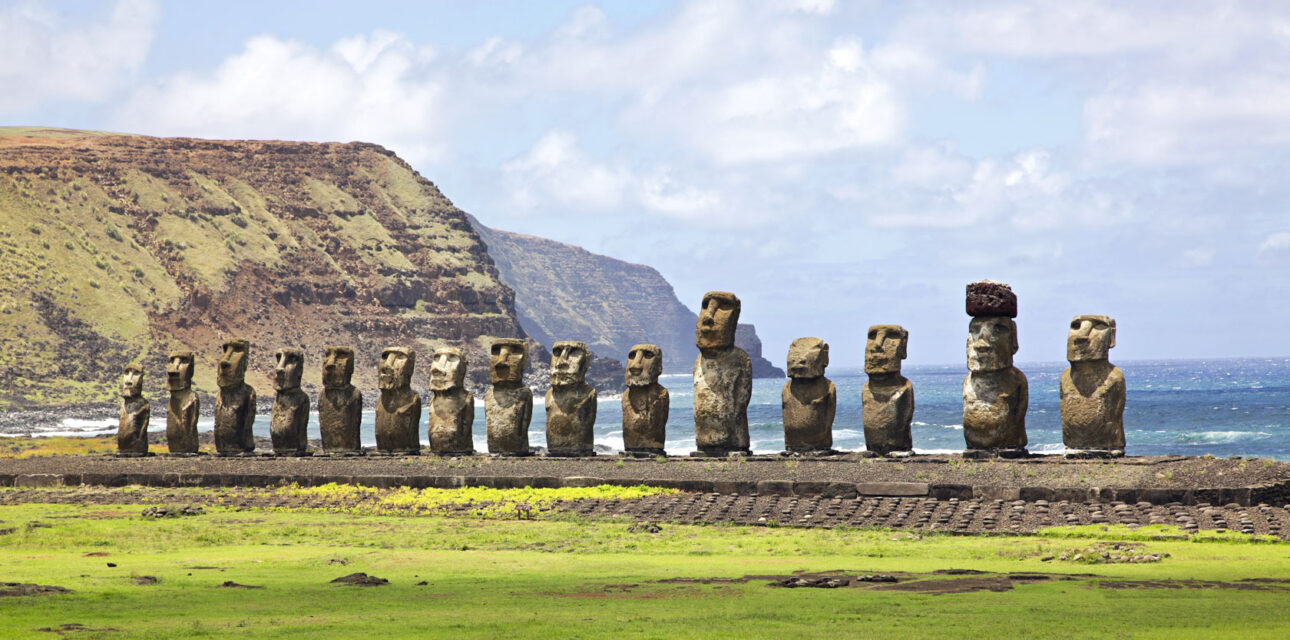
555,170
1275,249
1199,257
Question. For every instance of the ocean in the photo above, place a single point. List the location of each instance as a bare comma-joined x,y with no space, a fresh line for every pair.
1222,407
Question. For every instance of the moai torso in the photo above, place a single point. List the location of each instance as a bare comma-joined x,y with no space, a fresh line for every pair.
340,405
722,378
1092,390
235,402
132,430
398,411
184,406
508,405
290,417
645,402
809,400
570,402
452,407
887,399
995,393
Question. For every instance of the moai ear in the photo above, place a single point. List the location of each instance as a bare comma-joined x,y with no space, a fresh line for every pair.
903,351
1015,345
1112,345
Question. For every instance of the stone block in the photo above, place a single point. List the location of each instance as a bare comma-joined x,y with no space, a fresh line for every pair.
892,489
1069,494
39,480
775,488
735,487
581,481
1031,494
947,491
840,490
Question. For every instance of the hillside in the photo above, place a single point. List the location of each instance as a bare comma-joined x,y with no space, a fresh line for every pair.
566,292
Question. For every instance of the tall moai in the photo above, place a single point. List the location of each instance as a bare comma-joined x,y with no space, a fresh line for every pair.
995,393
289,420
452,407
722,379
132,429
809,400
887,400
235,402
184,406
508,405
1092,391
340,405
570,402
645,402
398,411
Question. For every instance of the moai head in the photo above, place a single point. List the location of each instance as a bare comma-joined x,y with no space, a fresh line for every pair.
338,367
232,363
179,370
807,358
132,381
287,372
569,362
395,371
1090,338
447,369
718,320
508,358
886,347
644,365
992,341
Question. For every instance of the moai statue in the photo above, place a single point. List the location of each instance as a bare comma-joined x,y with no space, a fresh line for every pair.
809,399
888,397
290,417
132,430
995,393
398,412
340,405
184,406
570,402
722,379
235,404
1092,391
452,407
508,405
645,402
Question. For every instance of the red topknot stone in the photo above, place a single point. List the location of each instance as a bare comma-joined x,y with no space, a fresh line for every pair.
988,298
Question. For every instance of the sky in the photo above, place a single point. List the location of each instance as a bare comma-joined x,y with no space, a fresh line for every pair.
835,164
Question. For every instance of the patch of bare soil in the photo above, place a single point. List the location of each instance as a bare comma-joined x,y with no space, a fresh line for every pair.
76,627
1256,584
361,579
952,585
145,581
26,589
229,584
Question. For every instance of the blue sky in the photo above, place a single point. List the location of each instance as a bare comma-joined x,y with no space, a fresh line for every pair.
836,164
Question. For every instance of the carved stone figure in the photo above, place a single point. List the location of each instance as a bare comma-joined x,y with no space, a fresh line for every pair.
452,407
290,417
888,397
809,400
398,412
722,379
1092,391
235,404
184,406
570,402
508,404
340,405
132,430
645,402
995,393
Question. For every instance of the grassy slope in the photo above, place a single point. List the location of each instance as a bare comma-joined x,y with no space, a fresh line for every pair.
569,578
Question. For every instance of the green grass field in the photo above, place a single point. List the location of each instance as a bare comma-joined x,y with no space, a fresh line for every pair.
570,578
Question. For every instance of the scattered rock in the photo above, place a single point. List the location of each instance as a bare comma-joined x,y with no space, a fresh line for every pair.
173,512
879,577
361,579
26,589
826,582
144,581
229,584
111,565
645,527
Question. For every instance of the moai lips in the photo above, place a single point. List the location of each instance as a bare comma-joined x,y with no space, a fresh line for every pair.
452,407
340,405
290,415
398,411
570,402
132,430
1092,391
809,400
235,402
722,379
184,406
887,399
508,405
645,402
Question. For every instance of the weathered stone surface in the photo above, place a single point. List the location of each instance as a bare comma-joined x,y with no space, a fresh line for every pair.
570,402
646,403
809,400
452,407
398,411
132,430
235,402
184,406
290,414
722,378
995,393
1092,390
887,399
508,405
991,299
340,405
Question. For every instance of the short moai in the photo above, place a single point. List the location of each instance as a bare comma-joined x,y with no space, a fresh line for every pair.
722,379
887,399
570,402
508,405
809,400
452,407
1092,391
235,403
645,402
995,393
132,430
398,411
184,405
340,405
290,416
